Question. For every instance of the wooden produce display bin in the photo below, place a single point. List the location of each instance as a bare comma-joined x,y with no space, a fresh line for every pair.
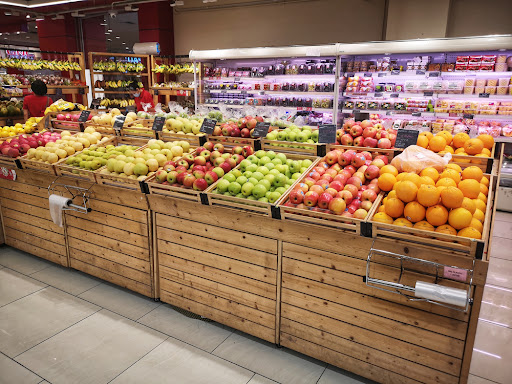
314,149
27,224
218,263
130,129
113,241
389,153
194,140
230,142
484,163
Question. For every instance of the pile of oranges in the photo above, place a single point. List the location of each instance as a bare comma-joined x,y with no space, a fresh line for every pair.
451,202
460,144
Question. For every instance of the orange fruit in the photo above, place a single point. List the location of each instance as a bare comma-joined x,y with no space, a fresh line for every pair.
484,189
426,180
452,174
391,194
477,225
427,134
388,169
482,197
437,215
430,172
470,188
443,152
459,218
447,229
422,141
470,232
414,211
394,207
454,166
486,152
472,172
441,188
400,176
402,222
425,225
396,185
468,204
478,161
447,149
386,181
381,209
428,195
459,139
479,215
382,217
446,182
447,136
413,177
459,151
473,146
480,204
488,141
485,181
437,143
406,191
452,197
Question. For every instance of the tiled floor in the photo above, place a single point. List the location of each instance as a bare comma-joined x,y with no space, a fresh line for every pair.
62,326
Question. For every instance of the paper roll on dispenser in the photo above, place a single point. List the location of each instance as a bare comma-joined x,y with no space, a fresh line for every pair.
435,292
57,204
146,48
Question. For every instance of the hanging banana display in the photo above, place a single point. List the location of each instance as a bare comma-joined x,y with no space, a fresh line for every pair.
176,69
119,66
113,84
120,103
33,65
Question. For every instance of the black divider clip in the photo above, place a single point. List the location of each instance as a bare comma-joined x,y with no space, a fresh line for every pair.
204,198
488,168
144,187
276,212
18,163
321,150
364,279
479,250
81,127
257,145
366,229
202,140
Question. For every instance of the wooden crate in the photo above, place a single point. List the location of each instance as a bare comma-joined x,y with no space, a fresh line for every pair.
230,142
130,130
176,191
254,206
484,163
214,269
476,247
114,241
38,166
389,153
194,140
314,149
8,162
105,130
27,224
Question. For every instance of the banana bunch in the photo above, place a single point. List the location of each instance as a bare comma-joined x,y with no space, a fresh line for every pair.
111,66
104,66
121,103
53,65
176,69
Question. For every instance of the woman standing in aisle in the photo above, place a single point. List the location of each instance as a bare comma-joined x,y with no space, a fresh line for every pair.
140,95
35,105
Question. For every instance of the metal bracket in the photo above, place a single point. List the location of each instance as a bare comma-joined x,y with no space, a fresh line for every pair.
74,192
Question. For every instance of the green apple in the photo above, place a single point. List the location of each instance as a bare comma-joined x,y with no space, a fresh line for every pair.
253,180
240,195
281,136
281,168
252,167
244,164
267,195
251,197
314,136
247,189
259,154
230,177
274,172
247,174
274,196
234,188
263,170
282,157
266,183
290,136
237,172
270,178
258,175
263,199
281,190
253,159
271,154
294,166
270,166
280,180
306,163
264,160
223,185
241,180
296,175
276,161
272,135
259,191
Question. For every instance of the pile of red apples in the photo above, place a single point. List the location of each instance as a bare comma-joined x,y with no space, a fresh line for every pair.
344,183
366,133
20,145
242,127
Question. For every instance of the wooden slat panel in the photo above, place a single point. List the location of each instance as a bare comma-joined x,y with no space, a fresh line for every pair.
216,261
111,277
219,303
26,198
112,244
119,196
120,211
32,220
49,237
233,321
230,293
108,254
418,318
236,253
383,360
348,363
250,285
41,212
27,245
97,217
242,239
110,232
394,329
111,266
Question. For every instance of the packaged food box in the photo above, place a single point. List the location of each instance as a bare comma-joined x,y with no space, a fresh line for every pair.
475,59
462,59
488,59
491,90
470,82
487,67
474,67
502,90
461,67
469,90
501,67
479,89
501,59
504,81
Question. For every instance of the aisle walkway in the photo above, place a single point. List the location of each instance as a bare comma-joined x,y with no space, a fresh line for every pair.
61,326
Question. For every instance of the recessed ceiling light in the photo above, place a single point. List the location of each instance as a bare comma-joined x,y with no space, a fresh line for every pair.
117,37
109,39
28,16
8,13
18,32
122,42
109,30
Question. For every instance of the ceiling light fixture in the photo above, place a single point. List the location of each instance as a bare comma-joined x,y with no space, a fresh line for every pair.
131,8
117,37
77,14
121,43
8,13
28,16
109,39
176,3
109,30
58,17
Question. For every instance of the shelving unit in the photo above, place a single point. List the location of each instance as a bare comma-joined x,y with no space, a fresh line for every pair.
165,77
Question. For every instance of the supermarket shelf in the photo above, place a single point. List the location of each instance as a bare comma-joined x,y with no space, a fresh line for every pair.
121,73
239,91
427,74
294,109
392,112
100,91
232,91
301,93
503,139
434,95
330,76
172,89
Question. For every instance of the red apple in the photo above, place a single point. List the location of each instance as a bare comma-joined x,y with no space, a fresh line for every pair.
381,134
366,124
341,178
310,199
209,146
314,175
374,187
378,163
347,214
237,158
198,174
309,181
368,195
337,205
247,151
336,184
346,195
199,160
356,181
200,184
352,189
297,196
384,143
358,141
360,213
189,180
245,133
347,139
371,172
358,160
323,183
317,188
345,158
303,187
211,177
356,131
360,176
323,200
331,191
370,142
331,157
219,147
366,204
369,132
351,169
226,167
384,159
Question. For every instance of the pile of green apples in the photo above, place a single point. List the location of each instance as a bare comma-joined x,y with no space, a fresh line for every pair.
263,176
138,164
295,134
93,159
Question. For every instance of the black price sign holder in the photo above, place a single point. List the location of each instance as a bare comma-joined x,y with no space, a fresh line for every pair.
360,116
327,134
95,104
158,123
84,115
406,137
208,126
119,122
484,95
261,129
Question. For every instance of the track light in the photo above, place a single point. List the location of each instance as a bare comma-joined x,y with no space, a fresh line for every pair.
77,14
209,1
58,17
131,8
176,3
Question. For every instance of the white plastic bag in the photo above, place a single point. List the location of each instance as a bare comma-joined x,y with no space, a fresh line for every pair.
415,159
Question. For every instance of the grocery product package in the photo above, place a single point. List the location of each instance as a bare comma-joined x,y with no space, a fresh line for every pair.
415,158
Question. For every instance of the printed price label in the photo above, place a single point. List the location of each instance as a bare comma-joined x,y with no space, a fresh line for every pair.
84,115
261,129
420,72
416,114
455,273
158,123
394,95
434,74
350,74
367,74
381,74
81,91
406,137
237,79
119,122
156,92
468,116
428,93
181,92
484,95
327,134
377,94
7,174
395,72
208,126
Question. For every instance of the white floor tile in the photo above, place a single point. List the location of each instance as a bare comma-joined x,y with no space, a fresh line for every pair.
502,229
281,365
334,375
206,336
503,216
120,300
497,306
14,285
68,280
13,373
21,261
472,379
93,351
500,273
501,248
257,379
176,362
33,319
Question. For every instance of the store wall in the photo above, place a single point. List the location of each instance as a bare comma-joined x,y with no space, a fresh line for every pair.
477,17
308,22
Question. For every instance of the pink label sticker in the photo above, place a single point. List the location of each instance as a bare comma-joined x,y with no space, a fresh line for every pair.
8,174
455,273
